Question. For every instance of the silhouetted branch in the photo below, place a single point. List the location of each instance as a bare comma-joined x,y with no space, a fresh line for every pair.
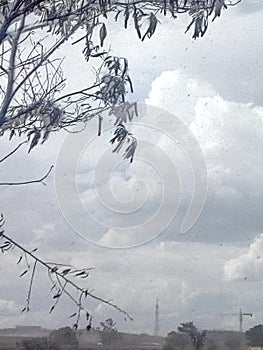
29,181
12,152
30,286
60,272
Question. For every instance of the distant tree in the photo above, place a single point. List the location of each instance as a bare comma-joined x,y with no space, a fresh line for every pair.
109,334
233,344
64,336
255,335
175,340
197,337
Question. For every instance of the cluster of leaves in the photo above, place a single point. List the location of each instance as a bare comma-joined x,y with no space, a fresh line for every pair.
109,326
113,83
109,334
31,100
197,337
122,136
175,340
38,116
145,14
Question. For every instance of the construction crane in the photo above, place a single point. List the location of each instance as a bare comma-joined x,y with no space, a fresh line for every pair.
240,315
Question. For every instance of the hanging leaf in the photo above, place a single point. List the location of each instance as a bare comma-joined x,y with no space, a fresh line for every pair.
80,273
57,295
136,22
45,136
35,140
34,250
117,15
23,273
54,285
51,309
54,269
19,260
126,16
219,4
152,26
103,34
11,134
99,128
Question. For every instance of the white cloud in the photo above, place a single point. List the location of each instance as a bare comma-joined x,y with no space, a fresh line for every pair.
117,238
248,265
178,93
8,307
224,129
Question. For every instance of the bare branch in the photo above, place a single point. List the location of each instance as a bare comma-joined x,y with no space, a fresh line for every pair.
13,151
62,275
30,181
30,286
11,72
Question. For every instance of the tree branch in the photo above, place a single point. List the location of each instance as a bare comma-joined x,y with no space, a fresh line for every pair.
12,152
11,73
30,286
30,181
62,275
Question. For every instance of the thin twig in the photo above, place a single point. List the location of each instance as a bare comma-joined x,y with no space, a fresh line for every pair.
28,182
12,152
11,72
30,286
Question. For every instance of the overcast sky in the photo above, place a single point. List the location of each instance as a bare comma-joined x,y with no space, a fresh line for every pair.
213,85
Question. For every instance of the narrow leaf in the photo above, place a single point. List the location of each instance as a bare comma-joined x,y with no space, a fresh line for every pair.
103,34
23,273
56,295
19,260
51,309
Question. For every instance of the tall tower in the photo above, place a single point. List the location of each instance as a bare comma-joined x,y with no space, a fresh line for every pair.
156,321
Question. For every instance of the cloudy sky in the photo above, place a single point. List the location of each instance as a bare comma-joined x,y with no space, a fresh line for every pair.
214,86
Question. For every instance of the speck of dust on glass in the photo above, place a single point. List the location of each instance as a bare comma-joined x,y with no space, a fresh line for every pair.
131,175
